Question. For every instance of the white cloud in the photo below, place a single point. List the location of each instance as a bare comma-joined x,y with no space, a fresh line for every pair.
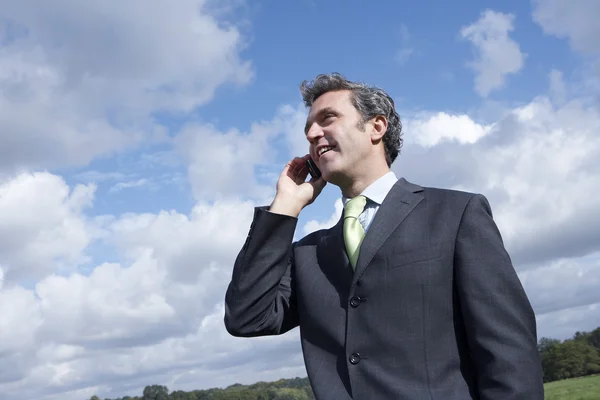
45,122
154,177
98,176
558,88
563,284
564,323
293,120
576,20
130,184
534,164
80,81
20,319
542,173
216,227
314,225
43,228
112,307
431,130
222,164
154,317
405,51
496,54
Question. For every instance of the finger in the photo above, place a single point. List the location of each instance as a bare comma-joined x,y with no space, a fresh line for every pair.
287,169
294,171
318,183
298,162
301,174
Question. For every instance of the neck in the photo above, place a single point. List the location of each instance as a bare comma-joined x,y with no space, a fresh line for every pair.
356,186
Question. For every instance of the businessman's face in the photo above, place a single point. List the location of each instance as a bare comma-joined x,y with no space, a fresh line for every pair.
339,143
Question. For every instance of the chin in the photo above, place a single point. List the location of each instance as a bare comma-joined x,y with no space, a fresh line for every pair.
332,176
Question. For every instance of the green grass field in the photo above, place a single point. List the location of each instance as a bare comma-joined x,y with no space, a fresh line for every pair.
587,388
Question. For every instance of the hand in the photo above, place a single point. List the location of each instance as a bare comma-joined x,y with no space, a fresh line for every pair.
293,192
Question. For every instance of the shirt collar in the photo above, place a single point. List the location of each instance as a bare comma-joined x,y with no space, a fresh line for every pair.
378,190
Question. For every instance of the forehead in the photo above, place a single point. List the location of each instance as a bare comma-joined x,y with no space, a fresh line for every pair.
337,101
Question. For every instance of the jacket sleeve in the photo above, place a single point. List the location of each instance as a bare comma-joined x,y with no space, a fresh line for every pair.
499,320
260,299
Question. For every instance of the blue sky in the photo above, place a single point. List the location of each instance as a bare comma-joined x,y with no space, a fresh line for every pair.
416,53
136,138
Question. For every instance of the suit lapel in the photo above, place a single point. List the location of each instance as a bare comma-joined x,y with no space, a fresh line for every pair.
332,257
400,201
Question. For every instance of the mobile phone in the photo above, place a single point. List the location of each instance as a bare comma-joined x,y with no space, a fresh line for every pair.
313,169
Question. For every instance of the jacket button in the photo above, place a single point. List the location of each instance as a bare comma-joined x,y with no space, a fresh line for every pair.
354,358
355,301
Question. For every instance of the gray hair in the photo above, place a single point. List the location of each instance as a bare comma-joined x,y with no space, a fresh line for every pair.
369,100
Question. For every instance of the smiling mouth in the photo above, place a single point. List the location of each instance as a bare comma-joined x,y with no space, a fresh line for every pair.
325,150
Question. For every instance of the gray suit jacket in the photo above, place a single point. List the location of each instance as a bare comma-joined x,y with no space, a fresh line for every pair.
435,309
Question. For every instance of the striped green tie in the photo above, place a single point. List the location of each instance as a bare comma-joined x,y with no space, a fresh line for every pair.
353,230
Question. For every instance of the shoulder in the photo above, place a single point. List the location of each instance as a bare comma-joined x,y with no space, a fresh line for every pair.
459,200
437,193
455,199
445,193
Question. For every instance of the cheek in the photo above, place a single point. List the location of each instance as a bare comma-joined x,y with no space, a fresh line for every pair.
355,141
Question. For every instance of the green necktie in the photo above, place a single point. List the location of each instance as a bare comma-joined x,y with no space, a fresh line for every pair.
353,230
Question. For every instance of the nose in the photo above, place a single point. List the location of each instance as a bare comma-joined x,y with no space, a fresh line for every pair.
314,133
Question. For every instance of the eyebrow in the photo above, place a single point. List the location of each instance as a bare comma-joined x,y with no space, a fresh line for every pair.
320,114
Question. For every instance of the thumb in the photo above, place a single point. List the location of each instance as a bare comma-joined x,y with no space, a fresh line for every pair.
318,184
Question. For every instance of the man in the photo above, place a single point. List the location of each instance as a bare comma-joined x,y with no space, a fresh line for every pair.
411,295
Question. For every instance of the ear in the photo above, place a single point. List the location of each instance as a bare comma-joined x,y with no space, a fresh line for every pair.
379,126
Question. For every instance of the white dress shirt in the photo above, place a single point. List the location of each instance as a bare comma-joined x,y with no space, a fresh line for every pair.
375,194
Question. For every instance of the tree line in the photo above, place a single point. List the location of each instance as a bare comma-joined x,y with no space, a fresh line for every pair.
571,358
283,389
